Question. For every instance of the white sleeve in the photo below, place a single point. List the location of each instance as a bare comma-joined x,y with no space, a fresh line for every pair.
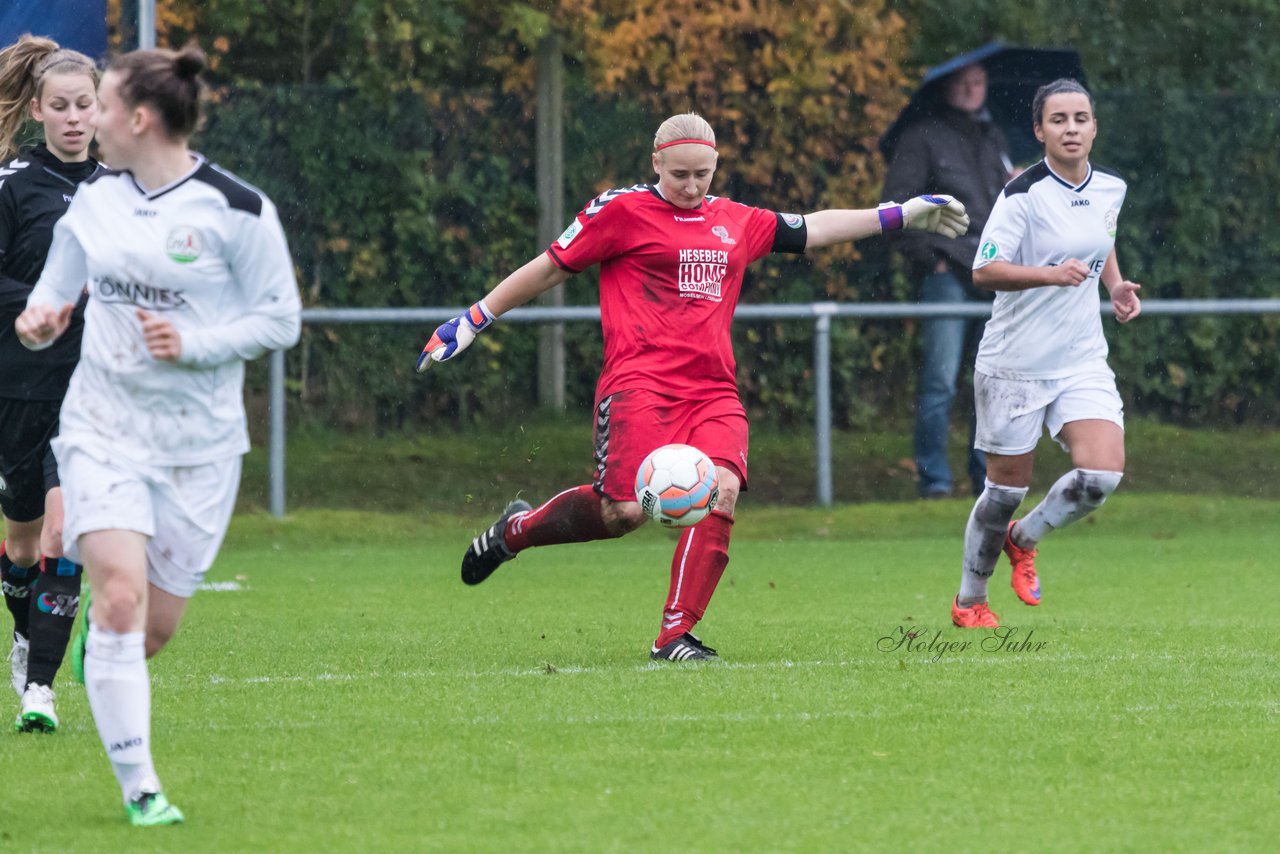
1006,227
66,269
272,320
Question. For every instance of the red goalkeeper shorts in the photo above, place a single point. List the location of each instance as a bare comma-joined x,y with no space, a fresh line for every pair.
631,424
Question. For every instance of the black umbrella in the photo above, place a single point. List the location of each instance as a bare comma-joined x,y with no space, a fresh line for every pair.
1013,75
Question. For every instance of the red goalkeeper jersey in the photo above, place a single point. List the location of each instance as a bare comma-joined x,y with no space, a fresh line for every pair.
669,281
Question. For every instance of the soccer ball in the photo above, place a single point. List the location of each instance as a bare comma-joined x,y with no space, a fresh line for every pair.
677,485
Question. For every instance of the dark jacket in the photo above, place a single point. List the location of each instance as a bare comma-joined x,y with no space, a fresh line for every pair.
948,152
35,190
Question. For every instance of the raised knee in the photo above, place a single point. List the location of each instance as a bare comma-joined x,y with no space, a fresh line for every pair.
1093,487
622,517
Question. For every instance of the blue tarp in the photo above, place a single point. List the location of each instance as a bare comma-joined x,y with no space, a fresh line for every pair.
77,24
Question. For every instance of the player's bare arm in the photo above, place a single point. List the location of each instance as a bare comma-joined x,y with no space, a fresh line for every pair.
939,214
454,336
829,227
525,284
1006,276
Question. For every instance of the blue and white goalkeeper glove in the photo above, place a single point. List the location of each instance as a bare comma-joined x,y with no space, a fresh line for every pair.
454,336
940,214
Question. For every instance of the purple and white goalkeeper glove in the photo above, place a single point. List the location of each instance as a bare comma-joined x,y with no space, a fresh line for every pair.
454,336
940,214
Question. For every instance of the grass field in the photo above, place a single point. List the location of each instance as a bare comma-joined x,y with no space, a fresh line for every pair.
352,695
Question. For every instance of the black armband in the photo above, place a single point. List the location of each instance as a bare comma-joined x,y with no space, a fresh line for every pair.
792,234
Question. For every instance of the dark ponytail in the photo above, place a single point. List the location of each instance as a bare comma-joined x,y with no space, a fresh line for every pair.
168,81
189,62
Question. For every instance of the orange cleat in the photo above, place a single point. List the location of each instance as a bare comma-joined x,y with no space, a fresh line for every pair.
1025,582
977,616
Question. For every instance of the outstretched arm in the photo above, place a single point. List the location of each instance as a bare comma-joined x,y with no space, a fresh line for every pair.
938,214
525,284
837,226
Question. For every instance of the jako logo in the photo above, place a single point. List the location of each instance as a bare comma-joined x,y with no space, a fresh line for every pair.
1079,203
117,746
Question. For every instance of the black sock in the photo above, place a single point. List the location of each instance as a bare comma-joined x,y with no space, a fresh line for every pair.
55,601
17,583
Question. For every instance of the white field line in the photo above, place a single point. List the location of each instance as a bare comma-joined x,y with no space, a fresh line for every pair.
710,669
223,587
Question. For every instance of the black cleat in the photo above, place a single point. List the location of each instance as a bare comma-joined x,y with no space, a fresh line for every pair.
687,647
488,551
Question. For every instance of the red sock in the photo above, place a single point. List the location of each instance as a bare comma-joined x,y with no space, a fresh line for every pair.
701,556
573,516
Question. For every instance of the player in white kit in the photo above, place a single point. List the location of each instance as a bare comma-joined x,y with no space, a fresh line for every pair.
188,275
1042,362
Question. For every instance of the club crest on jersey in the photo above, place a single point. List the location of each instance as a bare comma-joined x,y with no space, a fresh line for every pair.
701,273
1111,219
989,251
184,244
723,233
574,229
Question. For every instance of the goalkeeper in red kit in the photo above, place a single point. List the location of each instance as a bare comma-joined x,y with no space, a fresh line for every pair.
671,265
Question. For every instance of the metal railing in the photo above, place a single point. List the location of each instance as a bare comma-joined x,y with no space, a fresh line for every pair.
820,313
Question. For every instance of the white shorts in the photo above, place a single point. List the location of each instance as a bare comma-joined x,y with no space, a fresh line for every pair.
183,510
1011,413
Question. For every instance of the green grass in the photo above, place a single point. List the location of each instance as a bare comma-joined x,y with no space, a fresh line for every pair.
451,469
354,696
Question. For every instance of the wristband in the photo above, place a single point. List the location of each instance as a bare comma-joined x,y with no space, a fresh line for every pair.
479,316
890,217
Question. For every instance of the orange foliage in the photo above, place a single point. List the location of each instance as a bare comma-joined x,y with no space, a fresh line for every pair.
171,15
798,92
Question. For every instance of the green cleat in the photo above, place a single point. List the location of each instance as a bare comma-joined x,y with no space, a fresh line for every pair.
152,809
80,638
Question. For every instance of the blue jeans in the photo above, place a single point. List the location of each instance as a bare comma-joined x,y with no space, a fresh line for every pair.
945,342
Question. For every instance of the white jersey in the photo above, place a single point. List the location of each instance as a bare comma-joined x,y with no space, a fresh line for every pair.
206,252
1041,220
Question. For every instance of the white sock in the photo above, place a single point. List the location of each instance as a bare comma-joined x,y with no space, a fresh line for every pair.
984,538
115,676
1076,494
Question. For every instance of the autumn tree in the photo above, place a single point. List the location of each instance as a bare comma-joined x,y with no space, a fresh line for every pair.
798,92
